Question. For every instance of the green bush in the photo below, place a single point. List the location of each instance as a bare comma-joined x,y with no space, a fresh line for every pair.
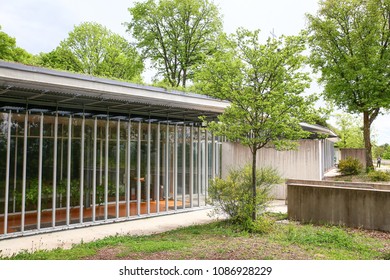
233,196
379,176
350,166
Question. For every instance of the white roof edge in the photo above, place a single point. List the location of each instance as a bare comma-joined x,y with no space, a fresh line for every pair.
91,86
320,129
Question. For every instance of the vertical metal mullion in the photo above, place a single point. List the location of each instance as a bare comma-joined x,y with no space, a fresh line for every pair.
101,157
158,170
212,156
175,168
191,166
94,170
183,177
15,169
199,164
167,168
8,162
217,157
128,169
40,162
139,170
54,199
148,168
118,132
106,170
24,171
206,141
82,158
69,171
62,158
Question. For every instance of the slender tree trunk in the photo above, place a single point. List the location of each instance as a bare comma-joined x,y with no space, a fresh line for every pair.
367,139
254,192
184,78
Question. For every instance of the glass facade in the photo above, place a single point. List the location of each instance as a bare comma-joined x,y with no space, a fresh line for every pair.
63,169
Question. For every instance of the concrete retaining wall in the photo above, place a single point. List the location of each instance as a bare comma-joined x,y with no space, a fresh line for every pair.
318,202
342,184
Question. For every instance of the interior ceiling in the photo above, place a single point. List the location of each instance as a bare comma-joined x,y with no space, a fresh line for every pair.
13,96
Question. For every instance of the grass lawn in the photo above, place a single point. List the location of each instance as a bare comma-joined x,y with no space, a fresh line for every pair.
223,241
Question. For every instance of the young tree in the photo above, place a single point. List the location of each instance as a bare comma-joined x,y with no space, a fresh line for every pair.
176,35
349,131
93,49
350,47
264,83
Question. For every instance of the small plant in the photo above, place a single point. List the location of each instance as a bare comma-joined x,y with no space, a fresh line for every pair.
350,166
233,196
379,176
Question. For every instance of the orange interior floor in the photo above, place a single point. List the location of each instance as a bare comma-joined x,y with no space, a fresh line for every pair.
14,220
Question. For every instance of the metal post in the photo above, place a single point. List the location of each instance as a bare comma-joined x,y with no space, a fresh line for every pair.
139,170
217,157
101,157
106,170
199,164
54,201
62,158
8,162
167,168
15,169
148,168
94,170
206,151
24,171
118,143
212,156
158,170
69,171
40,162
82,158
128,169
183,177
191,166
175,168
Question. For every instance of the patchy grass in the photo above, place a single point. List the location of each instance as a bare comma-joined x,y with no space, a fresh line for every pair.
330,242
372,176
224,241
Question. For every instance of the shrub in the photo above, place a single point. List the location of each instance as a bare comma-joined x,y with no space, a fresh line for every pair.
233,196
350,166
379,176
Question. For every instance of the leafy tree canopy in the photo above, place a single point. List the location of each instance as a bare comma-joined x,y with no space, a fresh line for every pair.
383,151
10,51
93,49
176,35
350,47
350,131
264,83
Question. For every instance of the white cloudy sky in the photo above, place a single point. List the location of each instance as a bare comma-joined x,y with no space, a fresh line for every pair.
39,25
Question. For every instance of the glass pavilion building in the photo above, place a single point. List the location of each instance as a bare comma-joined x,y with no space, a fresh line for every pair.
77,150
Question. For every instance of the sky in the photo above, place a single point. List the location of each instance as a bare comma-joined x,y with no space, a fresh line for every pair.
40,25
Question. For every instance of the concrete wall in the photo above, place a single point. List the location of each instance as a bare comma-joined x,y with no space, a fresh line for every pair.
359,154
309,161
329,155
310,201
302,163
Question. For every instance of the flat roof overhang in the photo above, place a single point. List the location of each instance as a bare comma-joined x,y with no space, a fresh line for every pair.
318,130
36,87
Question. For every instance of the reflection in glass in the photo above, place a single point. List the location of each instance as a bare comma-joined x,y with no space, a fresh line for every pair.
95,168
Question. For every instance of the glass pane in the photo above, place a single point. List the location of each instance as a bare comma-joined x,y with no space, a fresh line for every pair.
3,154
